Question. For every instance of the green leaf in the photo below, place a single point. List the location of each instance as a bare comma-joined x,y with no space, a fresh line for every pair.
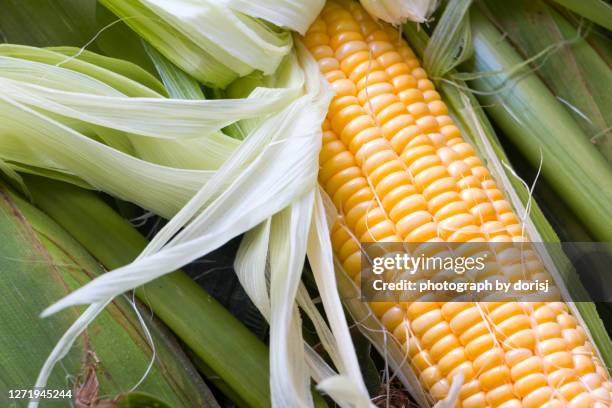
140,400
179,84
121,83
533,119
221,341
47,22
573,70
118,66
597,11
451,42
39,261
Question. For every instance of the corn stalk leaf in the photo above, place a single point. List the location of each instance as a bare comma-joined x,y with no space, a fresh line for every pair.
451,42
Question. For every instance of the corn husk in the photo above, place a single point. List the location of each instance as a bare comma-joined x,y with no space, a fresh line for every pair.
216,42
399,11
230,351
39,262
573,70
597,11
85,126
538,124
271,171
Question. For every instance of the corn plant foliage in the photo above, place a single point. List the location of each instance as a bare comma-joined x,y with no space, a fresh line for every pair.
39,262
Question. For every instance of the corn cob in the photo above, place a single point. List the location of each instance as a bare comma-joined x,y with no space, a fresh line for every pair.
398,169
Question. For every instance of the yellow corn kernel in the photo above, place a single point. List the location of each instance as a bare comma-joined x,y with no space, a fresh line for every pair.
398,169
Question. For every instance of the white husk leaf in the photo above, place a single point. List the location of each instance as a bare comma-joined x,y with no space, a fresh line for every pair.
269,170
48,103
217,41
253,271
289,378
275,166
342,389
31,138
321,260
240,43
397,12
291,14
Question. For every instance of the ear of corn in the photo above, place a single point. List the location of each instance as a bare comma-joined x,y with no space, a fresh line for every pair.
397,169
475,125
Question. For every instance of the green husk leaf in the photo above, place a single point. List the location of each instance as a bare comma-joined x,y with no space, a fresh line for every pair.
40,261
113,79
451,42
222,342
535,122
13,178
118,66
574,71
598,11
48,23
179,84
140,400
